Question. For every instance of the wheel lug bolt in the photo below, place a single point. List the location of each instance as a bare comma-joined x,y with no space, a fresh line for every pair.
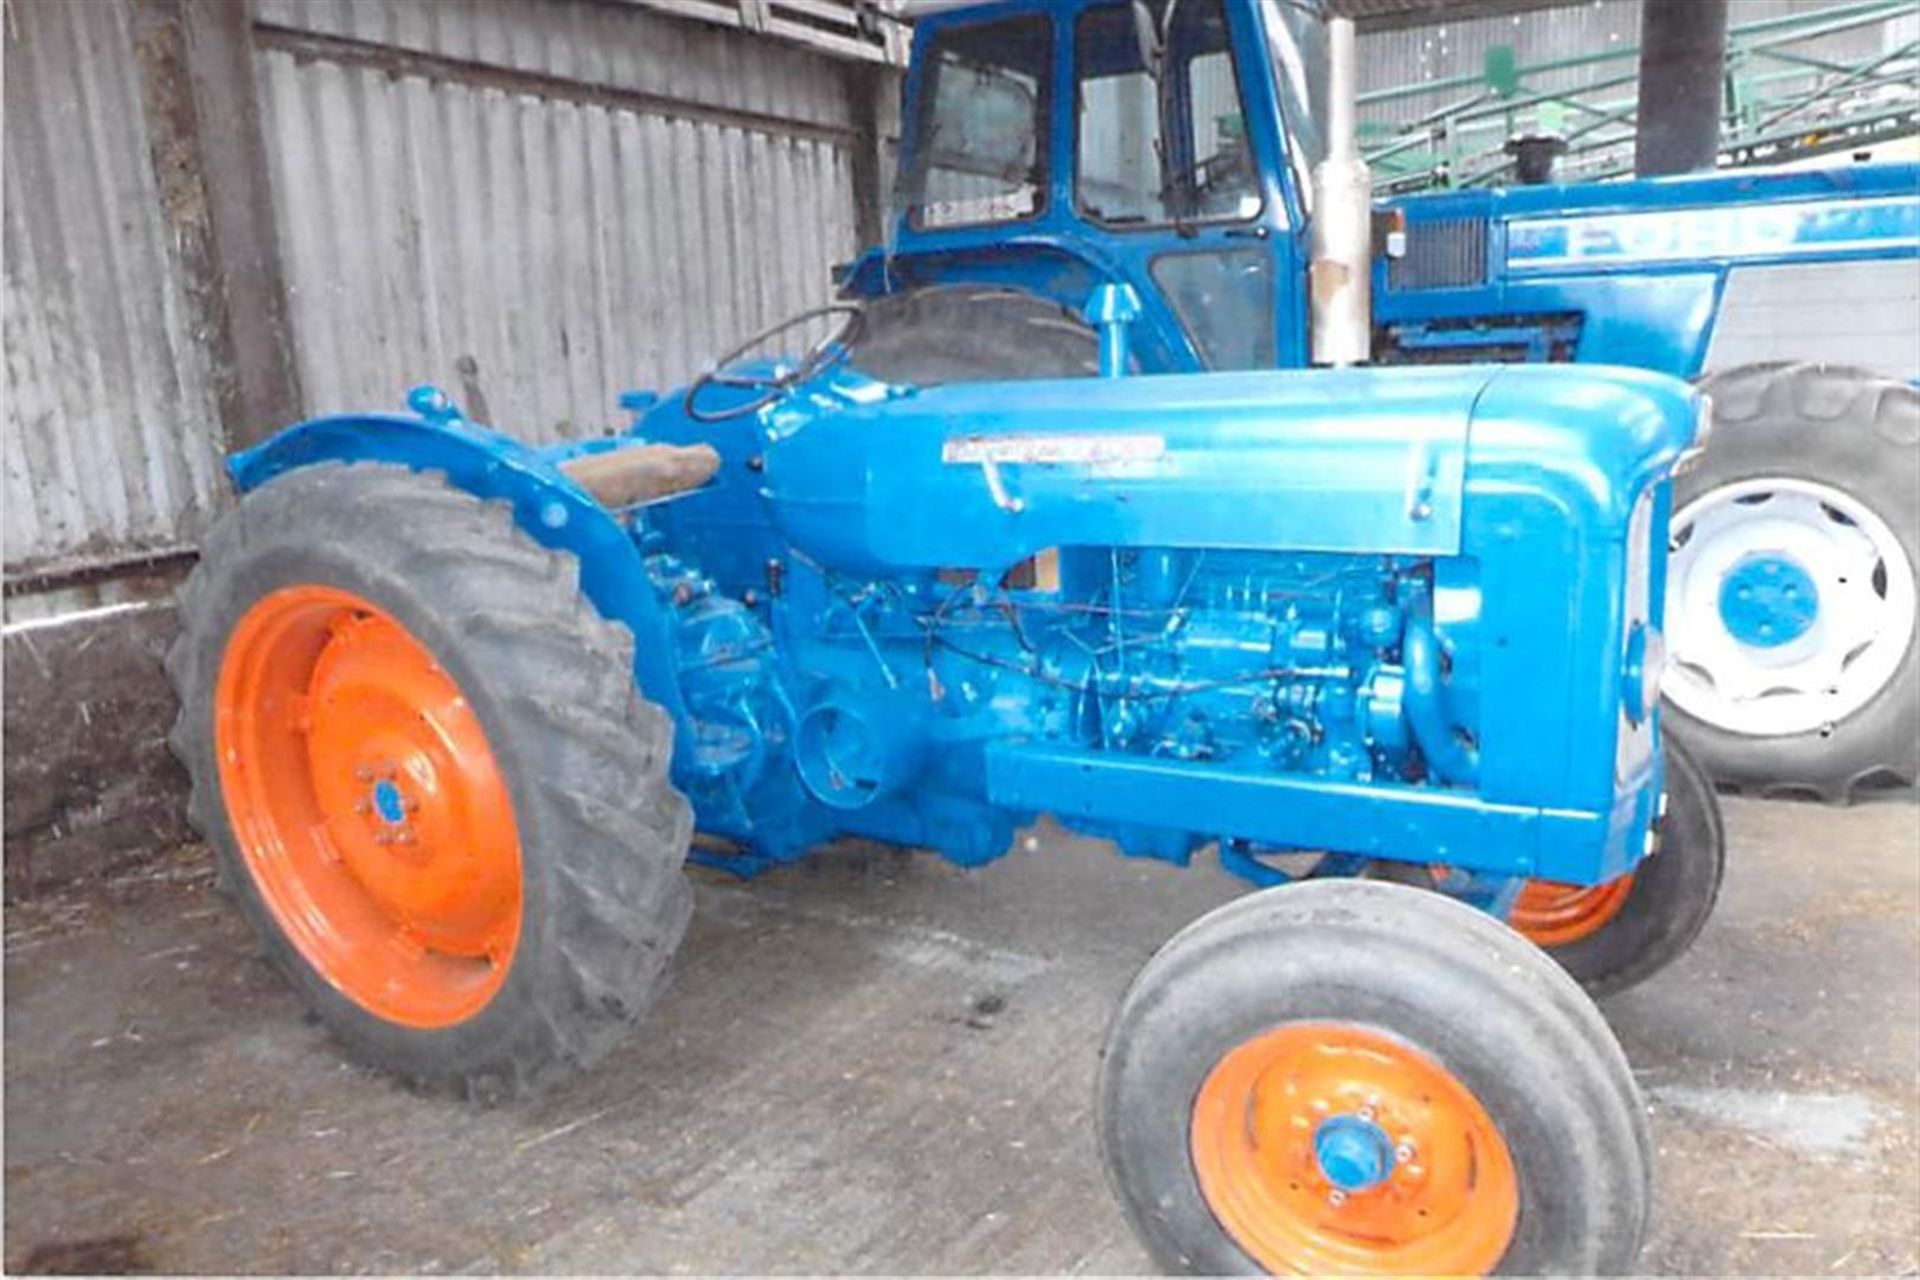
361,806
1336,1197
1366,1113
404,836
1403,1152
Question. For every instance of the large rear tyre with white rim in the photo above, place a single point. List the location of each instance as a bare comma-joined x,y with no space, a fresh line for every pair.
1793,583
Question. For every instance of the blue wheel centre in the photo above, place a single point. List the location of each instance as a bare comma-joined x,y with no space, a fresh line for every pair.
1354,1154
387,801
1768,600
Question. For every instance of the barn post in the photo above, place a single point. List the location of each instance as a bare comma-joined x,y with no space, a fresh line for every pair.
1683,53
196,69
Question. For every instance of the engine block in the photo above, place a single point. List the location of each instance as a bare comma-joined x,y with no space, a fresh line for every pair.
880,692
1173,612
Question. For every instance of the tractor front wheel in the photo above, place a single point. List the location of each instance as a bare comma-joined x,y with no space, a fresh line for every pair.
1616,935
1360,1077
428,778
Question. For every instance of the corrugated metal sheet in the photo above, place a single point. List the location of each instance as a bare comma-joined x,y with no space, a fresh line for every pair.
112,439
869,30
613,46
570,236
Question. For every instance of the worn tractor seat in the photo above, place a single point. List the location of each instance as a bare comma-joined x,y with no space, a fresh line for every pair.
640,473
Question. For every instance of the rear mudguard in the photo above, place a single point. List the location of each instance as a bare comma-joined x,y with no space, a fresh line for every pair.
552,510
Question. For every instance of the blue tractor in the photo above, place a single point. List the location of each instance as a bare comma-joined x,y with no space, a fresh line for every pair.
1386,642
1048,147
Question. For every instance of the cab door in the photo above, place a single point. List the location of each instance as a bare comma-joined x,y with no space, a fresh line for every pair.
1167,172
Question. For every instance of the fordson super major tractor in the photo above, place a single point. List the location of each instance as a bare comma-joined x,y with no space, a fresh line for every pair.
1031,531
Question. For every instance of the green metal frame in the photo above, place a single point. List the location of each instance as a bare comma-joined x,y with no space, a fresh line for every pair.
1780,102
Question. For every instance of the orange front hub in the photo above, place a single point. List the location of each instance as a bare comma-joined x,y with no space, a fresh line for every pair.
1550,914
1333,1148
367,806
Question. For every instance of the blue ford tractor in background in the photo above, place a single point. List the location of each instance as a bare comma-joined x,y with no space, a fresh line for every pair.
1038,528
1048,147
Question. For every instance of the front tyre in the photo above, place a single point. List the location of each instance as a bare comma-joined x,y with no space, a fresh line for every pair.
1360,1077
1793,583
427,777
1617,935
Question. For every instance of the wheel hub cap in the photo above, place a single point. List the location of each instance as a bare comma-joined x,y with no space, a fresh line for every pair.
388,802
1768,600
1790,605
1353,1154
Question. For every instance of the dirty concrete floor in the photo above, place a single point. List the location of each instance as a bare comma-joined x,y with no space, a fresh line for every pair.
875,1062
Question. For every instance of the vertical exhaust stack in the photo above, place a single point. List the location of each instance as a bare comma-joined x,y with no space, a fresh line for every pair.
1341,281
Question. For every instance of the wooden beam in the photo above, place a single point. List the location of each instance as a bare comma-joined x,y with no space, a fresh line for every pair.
195,63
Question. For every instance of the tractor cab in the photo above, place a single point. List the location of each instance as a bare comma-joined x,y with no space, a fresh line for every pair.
1169,144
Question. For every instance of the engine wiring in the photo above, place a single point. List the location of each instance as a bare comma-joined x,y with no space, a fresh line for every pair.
1010,609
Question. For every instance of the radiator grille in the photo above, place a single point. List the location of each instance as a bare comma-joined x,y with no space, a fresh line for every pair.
1443,254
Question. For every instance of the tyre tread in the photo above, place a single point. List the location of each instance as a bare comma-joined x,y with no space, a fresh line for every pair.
598,749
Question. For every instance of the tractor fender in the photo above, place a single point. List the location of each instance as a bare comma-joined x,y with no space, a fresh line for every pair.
547,504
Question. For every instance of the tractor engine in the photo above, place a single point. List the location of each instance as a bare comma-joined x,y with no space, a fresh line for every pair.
1321,665
1173,610
1281,662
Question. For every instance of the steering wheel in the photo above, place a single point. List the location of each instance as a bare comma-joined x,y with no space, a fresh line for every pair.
771,386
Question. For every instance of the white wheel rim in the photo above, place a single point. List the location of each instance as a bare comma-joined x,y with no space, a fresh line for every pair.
1851,645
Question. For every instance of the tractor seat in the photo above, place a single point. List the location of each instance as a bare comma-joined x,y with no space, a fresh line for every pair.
638,473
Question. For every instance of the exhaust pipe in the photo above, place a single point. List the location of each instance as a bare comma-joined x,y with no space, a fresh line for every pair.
1340,280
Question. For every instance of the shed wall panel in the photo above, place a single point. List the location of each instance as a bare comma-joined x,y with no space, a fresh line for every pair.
616,46
537,252
112,436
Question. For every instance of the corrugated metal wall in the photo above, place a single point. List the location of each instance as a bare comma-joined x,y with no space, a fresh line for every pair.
577,198
564,199
112,437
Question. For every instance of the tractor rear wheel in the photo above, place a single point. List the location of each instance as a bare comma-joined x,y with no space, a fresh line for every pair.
1793,584
972,333
1617,935
427,776
1358,1077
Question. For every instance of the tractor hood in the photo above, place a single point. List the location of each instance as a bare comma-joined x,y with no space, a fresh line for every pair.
1470,238
865,475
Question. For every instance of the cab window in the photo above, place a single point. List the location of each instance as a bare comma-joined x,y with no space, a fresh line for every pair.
980,155
1161,126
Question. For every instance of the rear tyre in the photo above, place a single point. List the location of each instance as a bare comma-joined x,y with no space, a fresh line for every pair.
1793,584
1366,1078
1617,935
972,333
428,779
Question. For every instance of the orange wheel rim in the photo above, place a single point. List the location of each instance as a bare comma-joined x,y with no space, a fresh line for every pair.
1437,1194
1550,914
367,806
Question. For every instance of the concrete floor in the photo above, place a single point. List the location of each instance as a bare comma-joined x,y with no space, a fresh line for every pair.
877,1063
